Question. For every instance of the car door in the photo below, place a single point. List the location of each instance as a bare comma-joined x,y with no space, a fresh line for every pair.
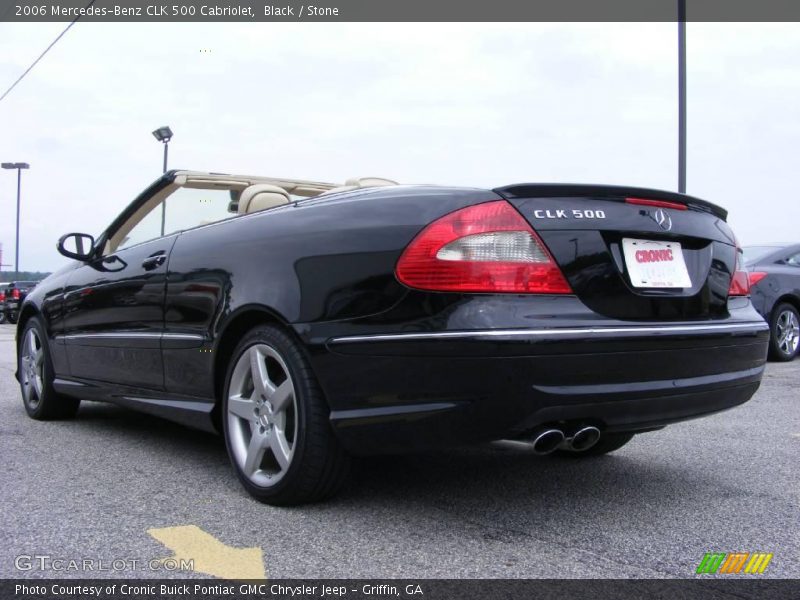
114,315
791,275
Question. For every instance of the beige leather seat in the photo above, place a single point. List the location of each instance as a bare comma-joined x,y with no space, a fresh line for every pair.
262,196
357,183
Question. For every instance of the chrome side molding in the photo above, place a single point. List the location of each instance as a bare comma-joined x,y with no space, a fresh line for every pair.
131,335
750,326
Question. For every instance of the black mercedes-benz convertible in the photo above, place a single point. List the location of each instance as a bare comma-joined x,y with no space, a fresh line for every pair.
311,321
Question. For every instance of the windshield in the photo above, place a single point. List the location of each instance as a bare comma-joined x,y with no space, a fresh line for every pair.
755,253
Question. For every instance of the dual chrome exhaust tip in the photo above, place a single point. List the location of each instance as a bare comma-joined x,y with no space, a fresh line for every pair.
550,439
547,440
584,438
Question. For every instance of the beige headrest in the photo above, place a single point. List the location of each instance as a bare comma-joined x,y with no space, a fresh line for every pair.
365,182
262,196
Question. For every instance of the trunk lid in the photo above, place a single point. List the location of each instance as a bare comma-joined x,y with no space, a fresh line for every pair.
595,234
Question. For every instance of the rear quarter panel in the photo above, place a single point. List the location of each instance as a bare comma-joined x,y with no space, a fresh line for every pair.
781,283
320,260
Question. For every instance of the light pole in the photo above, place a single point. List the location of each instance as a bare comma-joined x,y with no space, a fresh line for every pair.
682,96
18,166
163,135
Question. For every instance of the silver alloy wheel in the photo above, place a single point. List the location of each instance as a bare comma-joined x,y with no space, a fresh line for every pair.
32,368
262,415
788,332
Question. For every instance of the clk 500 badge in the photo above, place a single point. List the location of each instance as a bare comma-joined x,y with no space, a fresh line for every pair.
567,214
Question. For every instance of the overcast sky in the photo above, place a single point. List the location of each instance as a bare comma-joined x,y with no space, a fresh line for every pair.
472,104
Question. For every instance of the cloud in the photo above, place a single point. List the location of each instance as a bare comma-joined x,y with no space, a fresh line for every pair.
472,104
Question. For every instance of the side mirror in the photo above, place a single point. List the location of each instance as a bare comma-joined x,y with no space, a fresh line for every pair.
76,245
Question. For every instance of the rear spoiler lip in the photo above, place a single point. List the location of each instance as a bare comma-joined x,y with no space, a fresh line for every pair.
607,192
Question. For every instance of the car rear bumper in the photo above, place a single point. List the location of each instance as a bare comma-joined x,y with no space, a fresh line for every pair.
405,392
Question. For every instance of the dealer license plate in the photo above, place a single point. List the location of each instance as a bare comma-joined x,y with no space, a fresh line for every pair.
655,264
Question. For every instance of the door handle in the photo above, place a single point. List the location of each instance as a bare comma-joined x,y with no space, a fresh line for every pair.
154,261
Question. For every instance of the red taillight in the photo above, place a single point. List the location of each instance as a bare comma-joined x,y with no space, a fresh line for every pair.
756,276
740,282
15,294
2,296
485,248
658,203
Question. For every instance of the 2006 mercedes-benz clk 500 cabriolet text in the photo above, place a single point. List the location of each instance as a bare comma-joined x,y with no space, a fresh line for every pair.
309,322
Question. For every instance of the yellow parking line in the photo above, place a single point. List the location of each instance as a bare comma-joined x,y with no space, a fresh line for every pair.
210,555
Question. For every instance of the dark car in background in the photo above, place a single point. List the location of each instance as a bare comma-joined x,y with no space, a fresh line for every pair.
13,294
311,321
775,291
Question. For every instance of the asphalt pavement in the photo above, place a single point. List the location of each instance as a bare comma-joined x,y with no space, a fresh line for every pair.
91,489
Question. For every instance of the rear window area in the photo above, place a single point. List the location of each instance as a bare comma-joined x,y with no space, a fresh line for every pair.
755,253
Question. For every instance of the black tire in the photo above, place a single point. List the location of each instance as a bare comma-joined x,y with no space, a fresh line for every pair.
41,401
318,465
2,317
608,442
11,317
780,348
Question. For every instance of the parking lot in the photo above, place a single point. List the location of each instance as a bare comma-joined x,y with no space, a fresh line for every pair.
93,488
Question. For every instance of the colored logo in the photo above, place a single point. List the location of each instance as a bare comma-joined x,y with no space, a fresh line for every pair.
751,563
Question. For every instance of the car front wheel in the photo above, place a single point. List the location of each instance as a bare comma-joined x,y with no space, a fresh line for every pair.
785,333
36,376
276,422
